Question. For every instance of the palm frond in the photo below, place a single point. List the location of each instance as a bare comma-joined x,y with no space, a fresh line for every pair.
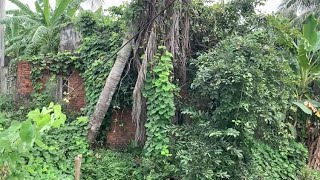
18,20
297,10
25,8
73,7
13,12
46,11
40,34
60,10
38,7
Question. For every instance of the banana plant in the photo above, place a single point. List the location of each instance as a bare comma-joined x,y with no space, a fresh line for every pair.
308,55
308,60
41,28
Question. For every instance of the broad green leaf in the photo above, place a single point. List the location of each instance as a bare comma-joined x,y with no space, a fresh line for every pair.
57,109
39,142
293,130
43,123
60,10
46,11
17,20
46,111
317,45
25,8
309,30
302,58
38,7
315,69
314,103
57,123
27,131
82,119
14,126
34,115
303,108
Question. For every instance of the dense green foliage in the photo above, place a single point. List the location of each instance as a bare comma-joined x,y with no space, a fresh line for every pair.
102,38
244,110
19,138
247,85
202,150
159,93
39,30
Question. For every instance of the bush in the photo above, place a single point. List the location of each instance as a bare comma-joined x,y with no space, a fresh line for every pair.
245,84
6,102
204,151
64,144
107,164
273,163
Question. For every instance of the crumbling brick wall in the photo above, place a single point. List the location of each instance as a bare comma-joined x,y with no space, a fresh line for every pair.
24,83
77,92
122,130
24,86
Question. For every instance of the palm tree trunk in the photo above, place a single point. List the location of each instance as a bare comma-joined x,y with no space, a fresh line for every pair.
110,86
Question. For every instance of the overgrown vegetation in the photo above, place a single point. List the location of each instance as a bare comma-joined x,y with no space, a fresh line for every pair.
217,91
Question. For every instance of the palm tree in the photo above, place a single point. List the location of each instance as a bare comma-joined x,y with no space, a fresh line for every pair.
298,10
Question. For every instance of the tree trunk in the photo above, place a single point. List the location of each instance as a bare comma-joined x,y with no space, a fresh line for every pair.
110,86
314,154
3,71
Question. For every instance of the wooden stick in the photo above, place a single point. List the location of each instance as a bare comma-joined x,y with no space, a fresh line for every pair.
77,162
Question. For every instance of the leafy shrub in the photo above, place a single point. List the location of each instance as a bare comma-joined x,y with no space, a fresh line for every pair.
309,174
6,102
64,144
204,151
272,163
18,139
107,164
246,84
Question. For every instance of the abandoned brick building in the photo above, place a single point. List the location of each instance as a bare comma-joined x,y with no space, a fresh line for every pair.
121,131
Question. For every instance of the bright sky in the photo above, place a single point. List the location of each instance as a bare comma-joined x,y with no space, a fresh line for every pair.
107,3
269,7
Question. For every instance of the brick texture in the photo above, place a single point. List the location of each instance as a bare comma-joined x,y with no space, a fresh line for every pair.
122,130
24,84
77,97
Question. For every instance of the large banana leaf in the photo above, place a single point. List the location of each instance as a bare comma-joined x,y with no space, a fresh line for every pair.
17,19
309,31
23,7
303,108
303,58
40,34
60,10
46,11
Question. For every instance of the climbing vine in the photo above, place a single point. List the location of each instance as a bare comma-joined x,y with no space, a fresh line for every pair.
159,92
62,63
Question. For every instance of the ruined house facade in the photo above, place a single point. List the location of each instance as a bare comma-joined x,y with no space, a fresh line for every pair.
121,131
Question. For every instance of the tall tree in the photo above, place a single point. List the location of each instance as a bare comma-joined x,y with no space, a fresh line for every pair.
160,23
112,81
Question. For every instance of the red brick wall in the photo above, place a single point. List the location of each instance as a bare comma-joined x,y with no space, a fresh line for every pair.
77,92
122,130
24,84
